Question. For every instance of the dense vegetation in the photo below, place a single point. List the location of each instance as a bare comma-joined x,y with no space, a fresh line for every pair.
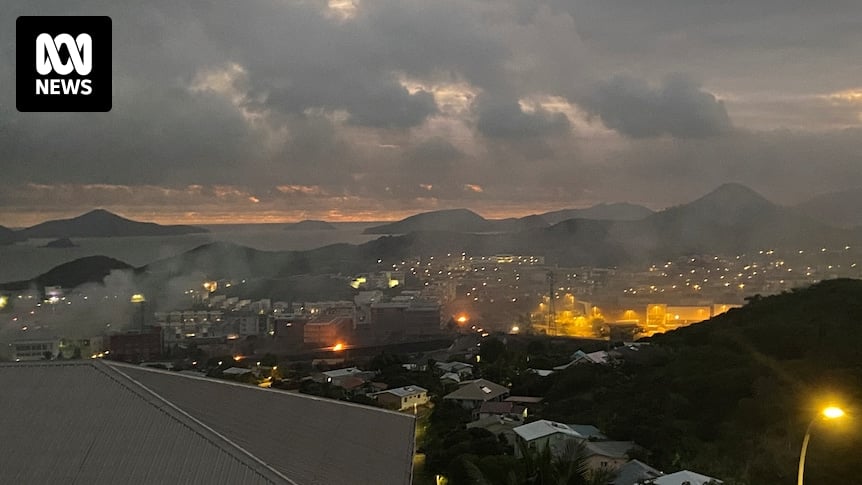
730,397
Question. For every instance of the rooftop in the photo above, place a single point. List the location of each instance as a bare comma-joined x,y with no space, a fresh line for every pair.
543,427
684,477
613,449
404,391
634,472
477,390
134,425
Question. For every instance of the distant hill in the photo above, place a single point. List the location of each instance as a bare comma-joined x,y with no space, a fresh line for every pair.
459,220
91,269
101,223
622,211
839,208
309,225
62,243
731,397
7,236
464,220
730,219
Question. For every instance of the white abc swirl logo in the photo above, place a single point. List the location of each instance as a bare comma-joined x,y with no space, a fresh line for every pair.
48,54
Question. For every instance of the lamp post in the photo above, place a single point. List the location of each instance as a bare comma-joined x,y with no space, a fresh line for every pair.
831,412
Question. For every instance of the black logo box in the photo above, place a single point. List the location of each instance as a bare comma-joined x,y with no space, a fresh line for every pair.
26,31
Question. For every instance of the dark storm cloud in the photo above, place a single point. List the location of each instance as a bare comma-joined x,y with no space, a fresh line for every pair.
678,107
401,103
506,119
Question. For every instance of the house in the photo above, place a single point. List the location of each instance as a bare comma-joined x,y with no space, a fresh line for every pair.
503,408
146,426
499,426
471,394
607,454
634,472
684,477
450,378
588,432
580,357
337,377
531,402
402,398
541,372
543,433
464,371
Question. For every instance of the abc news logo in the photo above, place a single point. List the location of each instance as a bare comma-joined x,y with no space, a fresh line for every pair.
71,68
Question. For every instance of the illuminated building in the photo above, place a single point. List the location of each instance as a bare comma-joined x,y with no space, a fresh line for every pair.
327,332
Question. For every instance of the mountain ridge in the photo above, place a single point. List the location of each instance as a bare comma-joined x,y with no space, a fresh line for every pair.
102,223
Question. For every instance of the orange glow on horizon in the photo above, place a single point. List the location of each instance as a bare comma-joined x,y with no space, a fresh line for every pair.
244,215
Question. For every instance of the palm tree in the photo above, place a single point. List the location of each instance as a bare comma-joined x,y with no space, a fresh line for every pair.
569,468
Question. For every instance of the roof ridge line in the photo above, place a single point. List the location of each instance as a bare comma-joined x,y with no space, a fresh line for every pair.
116,364
173,407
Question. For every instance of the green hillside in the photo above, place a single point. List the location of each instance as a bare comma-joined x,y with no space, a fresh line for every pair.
731,397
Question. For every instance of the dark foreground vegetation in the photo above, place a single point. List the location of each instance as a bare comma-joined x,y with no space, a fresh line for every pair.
730,397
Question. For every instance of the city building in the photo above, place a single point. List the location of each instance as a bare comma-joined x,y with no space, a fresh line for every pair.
327,332
34,348
135,346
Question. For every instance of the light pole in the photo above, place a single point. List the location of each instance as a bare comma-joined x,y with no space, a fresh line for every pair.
830,412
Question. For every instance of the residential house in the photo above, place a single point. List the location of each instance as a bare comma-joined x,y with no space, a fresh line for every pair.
543,433
402,398
471,394
503,409
634,472
499,426
580,357
607,454
336,377
463,370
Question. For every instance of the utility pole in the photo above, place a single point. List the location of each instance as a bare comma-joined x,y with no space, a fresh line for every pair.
552,309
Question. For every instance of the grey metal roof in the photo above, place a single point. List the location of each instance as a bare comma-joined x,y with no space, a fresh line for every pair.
634,472
91,422
613,449
405,391
588,431
477,390
308,439
82,422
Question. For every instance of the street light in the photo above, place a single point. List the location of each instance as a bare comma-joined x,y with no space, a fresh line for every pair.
831,412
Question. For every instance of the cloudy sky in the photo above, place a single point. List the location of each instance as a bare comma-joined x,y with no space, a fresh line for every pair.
372,109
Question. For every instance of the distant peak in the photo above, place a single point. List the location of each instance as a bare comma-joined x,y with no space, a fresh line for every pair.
734,192
100,213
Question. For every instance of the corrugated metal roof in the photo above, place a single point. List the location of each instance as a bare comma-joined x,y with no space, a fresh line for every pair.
311,440
90,422
81,422
543,427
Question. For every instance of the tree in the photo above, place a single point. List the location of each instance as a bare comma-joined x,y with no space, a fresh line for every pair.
492,349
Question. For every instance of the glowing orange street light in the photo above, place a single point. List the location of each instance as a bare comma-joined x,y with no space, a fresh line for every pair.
462,319
338,347
830,412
